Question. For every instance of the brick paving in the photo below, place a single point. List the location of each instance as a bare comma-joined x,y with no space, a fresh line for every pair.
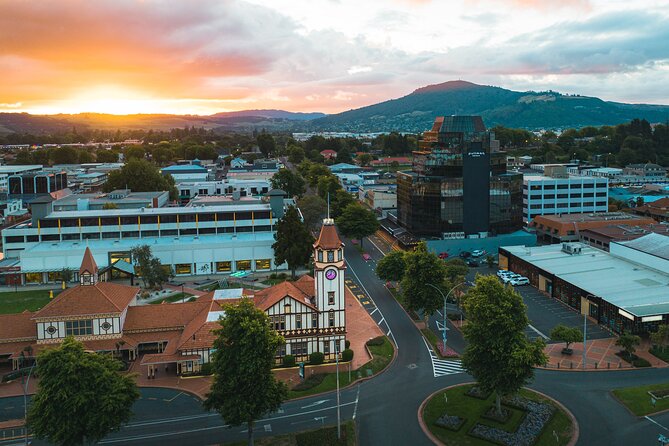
600,354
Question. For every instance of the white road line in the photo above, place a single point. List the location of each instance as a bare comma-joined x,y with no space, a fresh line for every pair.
357,397
375,310
443,367
379,249
538,332
655,422
383,319
370,298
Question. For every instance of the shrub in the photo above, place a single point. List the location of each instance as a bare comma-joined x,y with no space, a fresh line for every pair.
316,358
376,341
310,382
289,361
347,344
640,362
272,276
347,355
282,276
207,368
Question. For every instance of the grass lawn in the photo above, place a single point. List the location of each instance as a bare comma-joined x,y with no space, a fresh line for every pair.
381,356
638,401
325,436
660,353
472,408
173,298
11,302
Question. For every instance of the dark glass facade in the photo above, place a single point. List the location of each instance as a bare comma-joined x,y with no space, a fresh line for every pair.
459,183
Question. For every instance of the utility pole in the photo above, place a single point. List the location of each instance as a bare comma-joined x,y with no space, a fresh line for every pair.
585,328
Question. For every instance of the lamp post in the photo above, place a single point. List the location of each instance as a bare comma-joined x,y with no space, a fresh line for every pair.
445,299
338,408
183,296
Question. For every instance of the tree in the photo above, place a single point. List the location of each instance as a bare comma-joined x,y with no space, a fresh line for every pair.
568,335
328,184
628,343
244,387
64,155
313,209
294,242
392,266
490,261
456,270
81,396
344,156
661,336
148,266
498,354
357,222
106,156
423,270
295,154
107,206
290,182
140,176
266,144
134,152
66,274
85,157
364,159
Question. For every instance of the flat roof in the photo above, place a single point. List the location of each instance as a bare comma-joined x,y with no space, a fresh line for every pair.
19,168
593,216
159,211
637,289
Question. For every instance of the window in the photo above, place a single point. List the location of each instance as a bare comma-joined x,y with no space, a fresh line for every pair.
549,186
120,255
331,318
601,203
549,197
203,192
326,347
192,231
340,254
33,277
281,351
562,205
18,238
185,193
79,328
168,232
588,195
535,206
563,186
298,321
601,194
130,234
563,195
331,298
148,219
32,238
183,268
243,265
330,256
263,264
588,185
299,348
320,256
50,237
149,233
222,267
314,320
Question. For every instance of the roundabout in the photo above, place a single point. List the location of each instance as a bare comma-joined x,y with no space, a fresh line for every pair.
463,415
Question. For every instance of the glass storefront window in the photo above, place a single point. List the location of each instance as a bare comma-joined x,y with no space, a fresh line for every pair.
183,268
33,277
243,265
222,267
263,264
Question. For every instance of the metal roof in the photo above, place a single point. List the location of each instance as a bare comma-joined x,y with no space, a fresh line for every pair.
653,244
635,288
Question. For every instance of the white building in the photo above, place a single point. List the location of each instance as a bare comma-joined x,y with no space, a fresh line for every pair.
245,188
560,193
190,240
7,171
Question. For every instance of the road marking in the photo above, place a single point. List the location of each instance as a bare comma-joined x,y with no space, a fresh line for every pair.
655,422
152,399
357,397
383,319
314,404
370,298
173,398
538,332
440,326
379,249
268,428
443,367
375,310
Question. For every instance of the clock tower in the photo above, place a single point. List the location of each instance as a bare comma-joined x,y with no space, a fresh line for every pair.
329,286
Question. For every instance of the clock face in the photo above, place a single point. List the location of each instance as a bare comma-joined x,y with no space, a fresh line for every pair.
330,274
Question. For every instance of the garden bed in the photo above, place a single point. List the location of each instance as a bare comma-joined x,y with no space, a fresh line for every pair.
638,399
532,419
635,360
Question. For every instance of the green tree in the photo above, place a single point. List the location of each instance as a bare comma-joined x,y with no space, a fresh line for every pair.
568,335
85,157
66,274
244,388
357,222
295,154
109,206
498,354
294,242
64,155
290,182
490,261
148,266
423,268
266,144
391,267
81,396
661,336
315,172
140,176
134,152
628,342
339,202
364,159
456,270
344,156
313,209
23,157
106,156
328,184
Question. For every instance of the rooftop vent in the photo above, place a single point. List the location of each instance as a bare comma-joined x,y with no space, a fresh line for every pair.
571,248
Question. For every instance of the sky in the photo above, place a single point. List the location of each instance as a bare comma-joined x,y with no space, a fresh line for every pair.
209,56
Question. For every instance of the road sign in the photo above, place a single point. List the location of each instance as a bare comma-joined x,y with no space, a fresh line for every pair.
302,370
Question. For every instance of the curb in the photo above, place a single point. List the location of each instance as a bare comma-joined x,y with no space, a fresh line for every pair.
435,440
190,392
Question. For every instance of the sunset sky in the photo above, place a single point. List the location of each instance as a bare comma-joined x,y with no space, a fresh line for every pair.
207,56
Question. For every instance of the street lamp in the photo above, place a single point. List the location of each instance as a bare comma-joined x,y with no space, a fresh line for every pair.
445,299
338,408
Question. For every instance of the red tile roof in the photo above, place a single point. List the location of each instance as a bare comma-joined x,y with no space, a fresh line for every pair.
270,296
17,326
101,298
88,263
163,316
328,238
306,284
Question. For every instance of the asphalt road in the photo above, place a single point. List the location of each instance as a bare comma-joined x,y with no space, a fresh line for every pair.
385,407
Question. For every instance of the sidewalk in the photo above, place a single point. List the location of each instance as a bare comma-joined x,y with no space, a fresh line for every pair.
600,355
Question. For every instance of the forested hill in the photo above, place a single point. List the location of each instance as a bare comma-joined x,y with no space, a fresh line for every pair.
498,106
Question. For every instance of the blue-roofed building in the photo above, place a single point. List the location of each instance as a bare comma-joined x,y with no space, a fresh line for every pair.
186,172
344,168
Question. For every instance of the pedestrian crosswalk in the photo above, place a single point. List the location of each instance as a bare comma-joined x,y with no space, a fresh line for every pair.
443,367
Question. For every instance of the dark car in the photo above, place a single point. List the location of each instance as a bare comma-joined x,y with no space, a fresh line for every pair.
473,263
465,254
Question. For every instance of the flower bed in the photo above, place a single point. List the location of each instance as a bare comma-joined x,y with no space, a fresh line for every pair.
491,414
452,422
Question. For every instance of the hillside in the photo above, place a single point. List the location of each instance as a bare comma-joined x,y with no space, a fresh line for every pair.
498,106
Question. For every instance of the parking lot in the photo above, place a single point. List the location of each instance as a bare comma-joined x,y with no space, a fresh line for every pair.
545,312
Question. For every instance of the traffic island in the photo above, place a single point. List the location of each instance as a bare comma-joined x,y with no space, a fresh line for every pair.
644,400
463,415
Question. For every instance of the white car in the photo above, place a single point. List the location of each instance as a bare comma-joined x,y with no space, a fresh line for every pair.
509,277
477,253
519,281
504,272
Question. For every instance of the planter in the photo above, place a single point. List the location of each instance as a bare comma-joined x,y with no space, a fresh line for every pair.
567,351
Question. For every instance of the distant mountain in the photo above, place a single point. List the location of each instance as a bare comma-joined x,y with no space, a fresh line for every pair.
498,106
247,120
274,114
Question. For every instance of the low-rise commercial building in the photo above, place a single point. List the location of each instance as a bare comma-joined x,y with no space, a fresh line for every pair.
567,227
657,210
602,237
624,290
229,186
7,171
118,199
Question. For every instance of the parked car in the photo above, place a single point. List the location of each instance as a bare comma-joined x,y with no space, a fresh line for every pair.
465,254
509,277
519,281
478,252
366,257
443,255
473,263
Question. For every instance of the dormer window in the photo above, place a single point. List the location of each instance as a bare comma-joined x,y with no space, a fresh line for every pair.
320,255
330,256
87,279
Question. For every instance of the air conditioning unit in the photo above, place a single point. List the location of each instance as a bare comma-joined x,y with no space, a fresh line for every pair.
571,248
